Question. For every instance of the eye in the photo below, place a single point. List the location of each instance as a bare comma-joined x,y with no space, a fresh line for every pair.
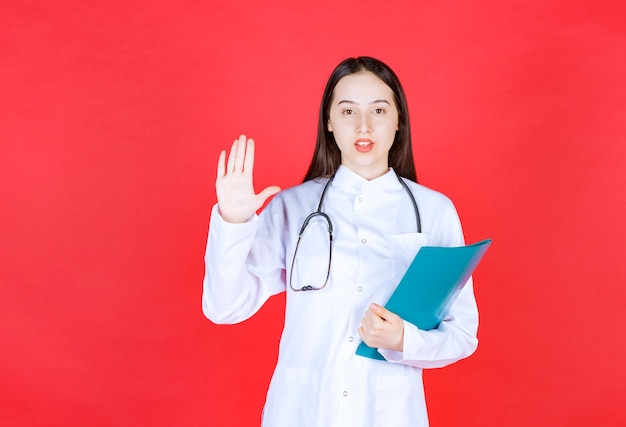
379,111
347,112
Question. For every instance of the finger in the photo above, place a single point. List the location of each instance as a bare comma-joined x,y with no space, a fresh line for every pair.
381,311
248,164
370,318
267,193
364,322
231,157
376,312
373,324
240,154
361,332
221,164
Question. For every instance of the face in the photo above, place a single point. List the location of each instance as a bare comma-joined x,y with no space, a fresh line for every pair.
364,120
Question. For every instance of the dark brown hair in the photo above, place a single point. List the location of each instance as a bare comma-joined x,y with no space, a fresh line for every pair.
327,157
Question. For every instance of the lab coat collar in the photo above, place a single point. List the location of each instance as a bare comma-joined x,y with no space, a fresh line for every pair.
347,178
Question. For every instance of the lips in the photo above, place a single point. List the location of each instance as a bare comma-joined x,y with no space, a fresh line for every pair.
364,145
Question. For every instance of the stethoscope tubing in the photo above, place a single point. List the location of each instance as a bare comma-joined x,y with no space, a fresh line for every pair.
318,212
418,219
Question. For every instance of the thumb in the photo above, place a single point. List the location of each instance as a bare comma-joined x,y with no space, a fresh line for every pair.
268,192
383,313
380,311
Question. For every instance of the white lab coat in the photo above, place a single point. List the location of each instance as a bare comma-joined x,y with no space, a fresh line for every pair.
319,380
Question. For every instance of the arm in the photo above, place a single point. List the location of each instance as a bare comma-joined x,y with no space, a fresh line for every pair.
234,285
235,192
455,338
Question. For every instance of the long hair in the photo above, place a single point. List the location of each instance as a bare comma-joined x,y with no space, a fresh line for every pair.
327,157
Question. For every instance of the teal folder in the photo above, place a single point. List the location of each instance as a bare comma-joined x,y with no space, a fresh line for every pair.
430,285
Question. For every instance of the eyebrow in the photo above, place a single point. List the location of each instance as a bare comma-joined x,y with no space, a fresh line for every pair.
346,101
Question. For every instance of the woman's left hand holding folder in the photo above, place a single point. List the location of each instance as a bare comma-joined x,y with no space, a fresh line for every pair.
380,328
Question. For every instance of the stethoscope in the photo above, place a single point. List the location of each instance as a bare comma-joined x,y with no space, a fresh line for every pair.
329,224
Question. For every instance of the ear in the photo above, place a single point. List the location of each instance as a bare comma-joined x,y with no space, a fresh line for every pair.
329,126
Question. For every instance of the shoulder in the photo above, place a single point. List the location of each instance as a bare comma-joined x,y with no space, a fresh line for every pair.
428,195
305,191
305,196
439,216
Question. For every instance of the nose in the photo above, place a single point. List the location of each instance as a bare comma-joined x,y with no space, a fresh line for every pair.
364,124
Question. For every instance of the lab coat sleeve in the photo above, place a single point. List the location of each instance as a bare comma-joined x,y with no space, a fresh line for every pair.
455,337
243,268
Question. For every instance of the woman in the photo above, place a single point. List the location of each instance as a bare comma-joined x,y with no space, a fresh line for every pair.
336,286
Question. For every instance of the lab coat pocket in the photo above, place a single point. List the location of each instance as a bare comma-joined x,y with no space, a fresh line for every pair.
292,400
400,402
404,248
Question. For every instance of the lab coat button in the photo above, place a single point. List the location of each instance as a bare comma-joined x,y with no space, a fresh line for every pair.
360,289
345,393
363,241
350,339
360,199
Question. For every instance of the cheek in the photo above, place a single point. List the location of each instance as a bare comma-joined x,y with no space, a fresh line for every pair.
391,128
341,139
338,128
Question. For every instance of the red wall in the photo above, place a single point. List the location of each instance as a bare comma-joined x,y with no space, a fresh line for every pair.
112,115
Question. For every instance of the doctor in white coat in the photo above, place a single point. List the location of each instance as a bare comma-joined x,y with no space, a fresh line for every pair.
337,244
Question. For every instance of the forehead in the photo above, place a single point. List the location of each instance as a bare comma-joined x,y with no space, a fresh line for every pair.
362,87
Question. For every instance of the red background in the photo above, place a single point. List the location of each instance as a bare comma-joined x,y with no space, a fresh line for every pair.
112,115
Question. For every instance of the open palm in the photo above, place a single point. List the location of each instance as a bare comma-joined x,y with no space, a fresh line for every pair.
235,191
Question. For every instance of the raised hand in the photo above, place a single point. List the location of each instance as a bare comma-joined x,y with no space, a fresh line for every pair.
235,192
